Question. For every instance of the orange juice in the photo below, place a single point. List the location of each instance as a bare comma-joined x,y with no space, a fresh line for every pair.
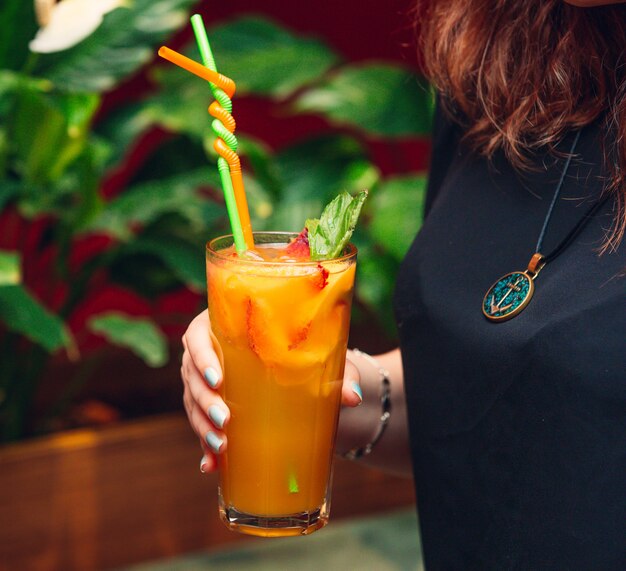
282,327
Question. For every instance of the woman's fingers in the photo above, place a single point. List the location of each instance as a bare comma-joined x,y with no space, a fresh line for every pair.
351,394
201,373
197,342
211,436
212,439
202,396
207,463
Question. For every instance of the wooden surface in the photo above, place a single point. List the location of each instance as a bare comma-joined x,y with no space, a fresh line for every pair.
98,499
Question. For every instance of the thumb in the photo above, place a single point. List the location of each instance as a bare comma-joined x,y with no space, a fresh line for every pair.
351,394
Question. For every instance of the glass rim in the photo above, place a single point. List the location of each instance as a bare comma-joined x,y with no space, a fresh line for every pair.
350,251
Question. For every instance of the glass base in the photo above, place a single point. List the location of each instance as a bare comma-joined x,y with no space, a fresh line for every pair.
273,526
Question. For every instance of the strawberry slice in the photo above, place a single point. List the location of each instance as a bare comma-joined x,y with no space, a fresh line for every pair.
299,337
299,246
252,327
320,278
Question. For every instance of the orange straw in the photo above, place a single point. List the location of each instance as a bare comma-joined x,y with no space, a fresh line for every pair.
240,195
223,115
226,83
231,157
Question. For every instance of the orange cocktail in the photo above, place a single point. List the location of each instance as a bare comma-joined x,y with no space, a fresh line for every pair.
282,326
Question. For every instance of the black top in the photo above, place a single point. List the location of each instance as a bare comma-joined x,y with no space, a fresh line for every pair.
518,429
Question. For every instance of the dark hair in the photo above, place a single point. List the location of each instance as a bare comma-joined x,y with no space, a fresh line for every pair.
518,75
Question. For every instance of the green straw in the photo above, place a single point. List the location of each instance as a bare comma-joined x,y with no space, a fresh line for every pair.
208,60
231,205
293,483
220,130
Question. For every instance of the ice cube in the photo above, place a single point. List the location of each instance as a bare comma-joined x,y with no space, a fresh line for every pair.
251,255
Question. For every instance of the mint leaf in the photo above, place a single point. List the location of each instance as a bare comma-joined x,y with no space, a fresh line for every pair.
311,225
329,234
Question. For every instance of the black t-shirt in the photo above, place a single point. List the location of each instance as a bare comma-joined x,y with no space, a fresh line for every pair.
518,429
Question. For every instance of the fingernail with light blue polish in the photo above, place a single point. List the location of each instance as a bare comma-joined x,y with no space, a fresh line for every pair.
211,376
214,441
203,464
356,389
217,415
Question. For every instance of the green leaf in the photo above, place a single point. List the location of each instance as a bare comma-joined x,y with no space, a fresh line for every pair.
375,282
329,235
396,211
4,152
145,203
11,81
78,109
84,184
17,28
10,271
145,274
8,189
181,103
37,129
321,167
122,127
74,198
124,41
48,132
313,172
260,202
12,85
265,58
177,156
262,162
138,334
22,313
184,259
379,99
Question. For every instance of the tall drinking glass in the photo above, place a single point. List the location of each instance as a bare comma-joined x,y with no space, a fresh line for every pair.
282,329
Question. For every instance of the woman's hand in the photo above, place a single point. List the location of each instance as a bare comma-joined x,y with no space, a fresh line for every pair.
351,394
202,374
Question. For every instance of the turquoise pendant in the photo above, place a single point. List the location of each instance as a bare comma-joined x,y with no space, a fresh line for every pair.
512,292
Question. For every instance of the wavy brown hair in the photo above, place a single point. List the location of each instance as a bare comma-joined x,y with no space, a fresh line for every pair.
519,74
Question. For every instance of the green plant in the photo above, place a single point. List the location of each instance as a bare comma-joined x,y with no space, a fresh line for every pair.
57,148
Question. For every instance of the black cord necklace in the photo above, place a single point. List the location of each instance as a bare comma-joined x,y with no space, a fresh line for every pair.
508,296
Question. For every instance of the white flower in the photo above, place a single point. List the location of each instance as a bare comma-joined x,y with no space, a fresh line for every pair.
70,22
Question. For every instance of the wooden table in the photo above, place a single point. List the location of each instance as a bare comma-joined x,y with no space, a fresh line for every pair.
99,499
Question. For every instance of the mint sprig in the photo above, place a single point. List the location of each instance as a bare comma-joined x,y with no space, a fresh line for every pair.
329,234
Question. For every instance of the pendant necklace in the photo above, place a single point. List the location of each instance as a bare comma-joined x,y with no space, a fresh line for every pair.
508,296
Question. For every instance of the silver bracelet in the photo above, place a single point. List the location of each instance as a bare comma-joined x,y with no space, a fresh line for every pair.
385,405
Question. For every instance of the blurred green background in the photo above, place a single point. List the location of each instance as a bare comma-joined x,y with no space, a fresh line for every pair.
109,190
